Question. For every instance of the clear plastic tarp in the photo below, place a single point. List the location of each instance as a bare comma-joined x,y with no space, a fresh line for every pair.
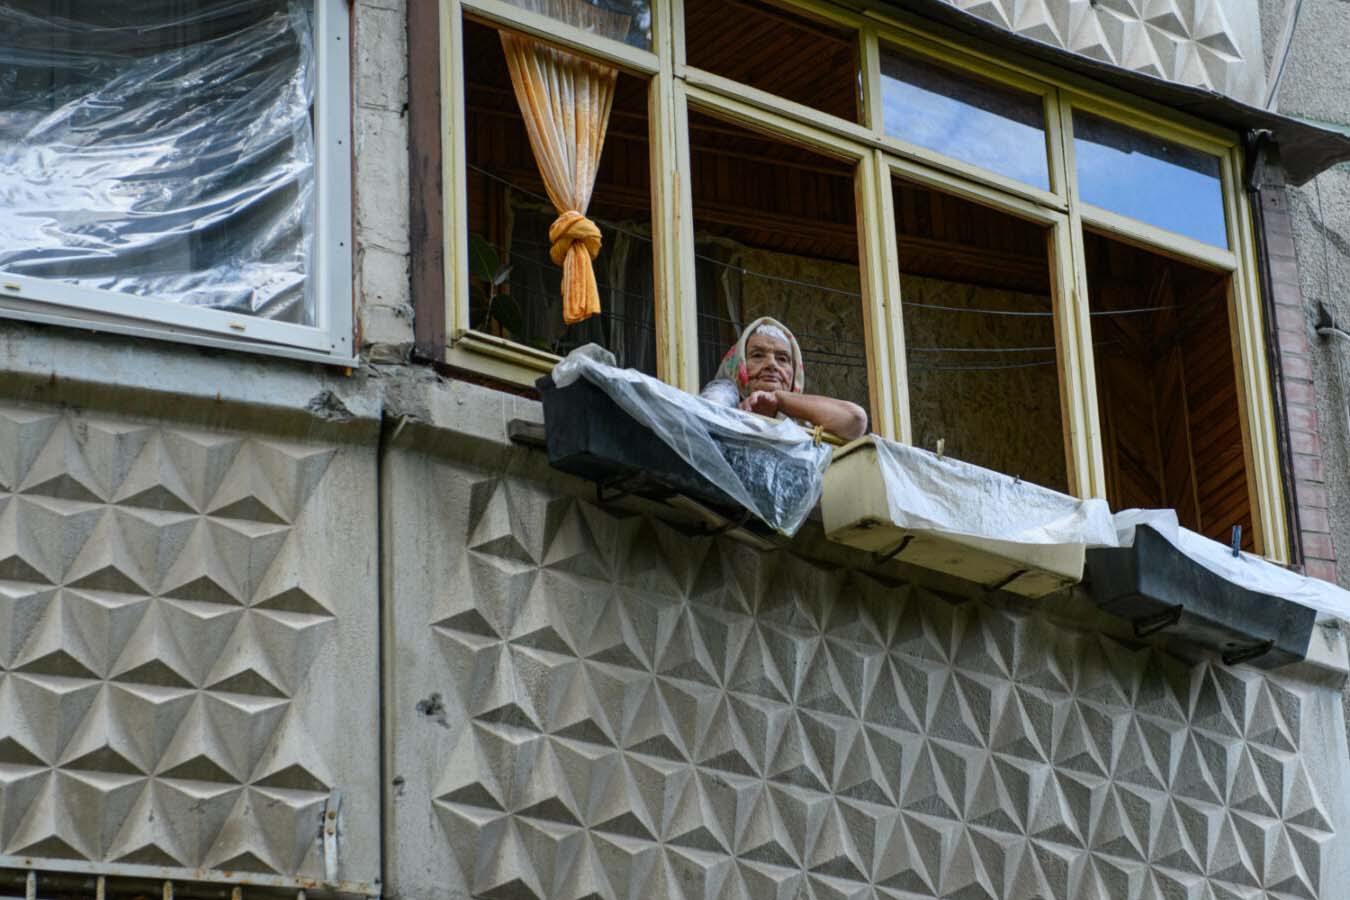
1245,569
772,467
946,496
160,148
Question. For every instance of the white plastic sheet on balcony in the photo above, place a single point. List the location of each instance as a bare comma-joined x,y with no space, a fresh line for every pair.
161,149
946,496
700,431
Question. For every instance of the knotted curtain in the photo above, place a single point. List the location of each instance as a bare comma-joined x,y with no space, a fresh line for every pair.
565,101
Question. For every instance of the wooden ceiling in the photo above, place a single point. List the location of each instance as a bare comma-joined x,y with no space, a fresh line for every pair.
766,192
776,51
946,237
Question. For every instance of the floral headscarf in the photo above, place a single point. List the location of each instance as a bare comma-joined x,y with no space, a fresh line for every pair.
734,369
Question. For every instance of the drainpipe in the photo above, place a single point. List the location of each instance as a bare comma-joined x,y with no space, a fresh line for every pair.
1256,143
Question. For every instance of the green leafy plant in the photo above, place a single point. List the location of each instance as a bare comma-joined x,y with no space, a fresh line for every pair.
487,302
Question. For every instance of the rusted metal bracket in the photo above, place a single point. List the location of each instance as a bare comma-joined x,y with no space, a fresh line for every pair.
332,834
1004,582
882,558
1147,625
1249,653
527,433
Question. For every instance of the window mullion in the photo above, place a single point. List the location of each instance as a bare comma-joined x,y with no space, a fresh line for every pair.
869,67
882,319
1254,396
454,179
672,216
1073,329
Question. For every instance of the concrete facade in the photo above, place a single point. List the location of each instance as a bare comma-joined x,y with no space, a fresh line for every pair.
1318,268
269,624
591,702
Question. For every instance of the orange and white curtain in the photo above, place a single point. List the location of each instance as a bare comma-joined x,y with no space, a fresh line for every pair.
565,100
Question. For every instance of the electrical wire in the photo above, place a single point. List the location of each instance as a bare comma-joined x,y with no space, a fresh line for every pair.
1326,291
988,368
782,279
1291,24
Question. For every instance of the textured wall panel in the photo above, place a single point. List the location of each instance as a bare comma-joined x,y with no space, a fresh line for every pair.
176,609
588,705
1207,43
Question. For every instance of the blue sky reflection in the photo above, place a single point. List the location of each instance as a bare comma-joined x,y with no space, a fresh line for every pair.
970,120
1149,179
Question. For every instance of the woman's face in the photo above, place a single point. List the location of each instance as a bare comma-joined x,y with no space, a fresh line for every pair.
768,360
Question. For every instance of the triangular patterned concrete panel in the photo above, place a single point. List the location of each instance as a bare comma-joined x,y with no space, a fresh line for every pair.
154,636
708,722
1158,37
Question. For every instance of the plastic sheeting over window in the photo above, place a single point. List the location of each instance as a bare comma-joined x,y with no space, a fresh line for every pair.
161,148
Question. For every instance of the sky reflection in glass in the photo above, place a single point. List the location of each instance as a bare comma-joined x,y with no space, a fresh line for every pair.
629,21
1146,178
975,121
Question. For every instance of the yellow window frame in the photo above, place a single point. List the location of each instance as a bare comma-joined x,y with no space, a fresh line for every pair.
675,86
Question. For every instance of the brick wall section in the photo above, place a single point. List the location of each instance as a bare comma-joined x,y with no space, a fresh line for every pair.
1295,384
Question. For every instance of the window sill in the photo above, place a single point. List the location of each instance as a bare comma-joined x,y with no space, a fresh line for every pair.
499,358
52,311
158,378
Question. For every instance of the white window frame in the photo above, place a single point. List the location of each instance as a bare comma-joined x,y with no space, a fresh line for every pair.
330,339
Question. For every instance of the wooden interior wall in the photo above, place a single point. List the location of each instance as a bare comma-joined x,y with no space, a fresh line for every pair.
1129,432
1167,390
997,409
1216,426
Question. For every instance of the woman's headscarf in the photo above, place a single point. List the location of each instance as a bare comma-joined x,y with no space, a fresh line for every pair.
734,369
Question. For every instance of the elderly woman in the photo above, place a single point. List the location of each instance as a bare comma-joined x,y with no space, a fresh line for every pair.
763,373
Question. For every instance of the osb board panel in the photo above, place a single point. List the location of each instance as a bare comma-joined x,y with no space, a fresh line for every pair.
1006,419
1129,438
586,704
187,668
997,410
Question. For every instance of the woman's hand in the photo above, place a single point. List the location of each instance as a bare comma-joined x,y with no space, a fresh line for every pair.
840,417
763,402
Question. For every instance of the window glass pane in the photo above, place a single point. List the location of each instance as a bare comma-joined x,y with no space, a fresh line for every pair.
1167,388
806,61
162,148
969,119
1150,179
514,286
980,335
629,21
776,234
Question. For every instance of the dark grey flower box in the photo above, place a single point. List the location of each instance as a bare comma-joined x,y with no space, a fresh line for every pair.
591,436
1163,591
